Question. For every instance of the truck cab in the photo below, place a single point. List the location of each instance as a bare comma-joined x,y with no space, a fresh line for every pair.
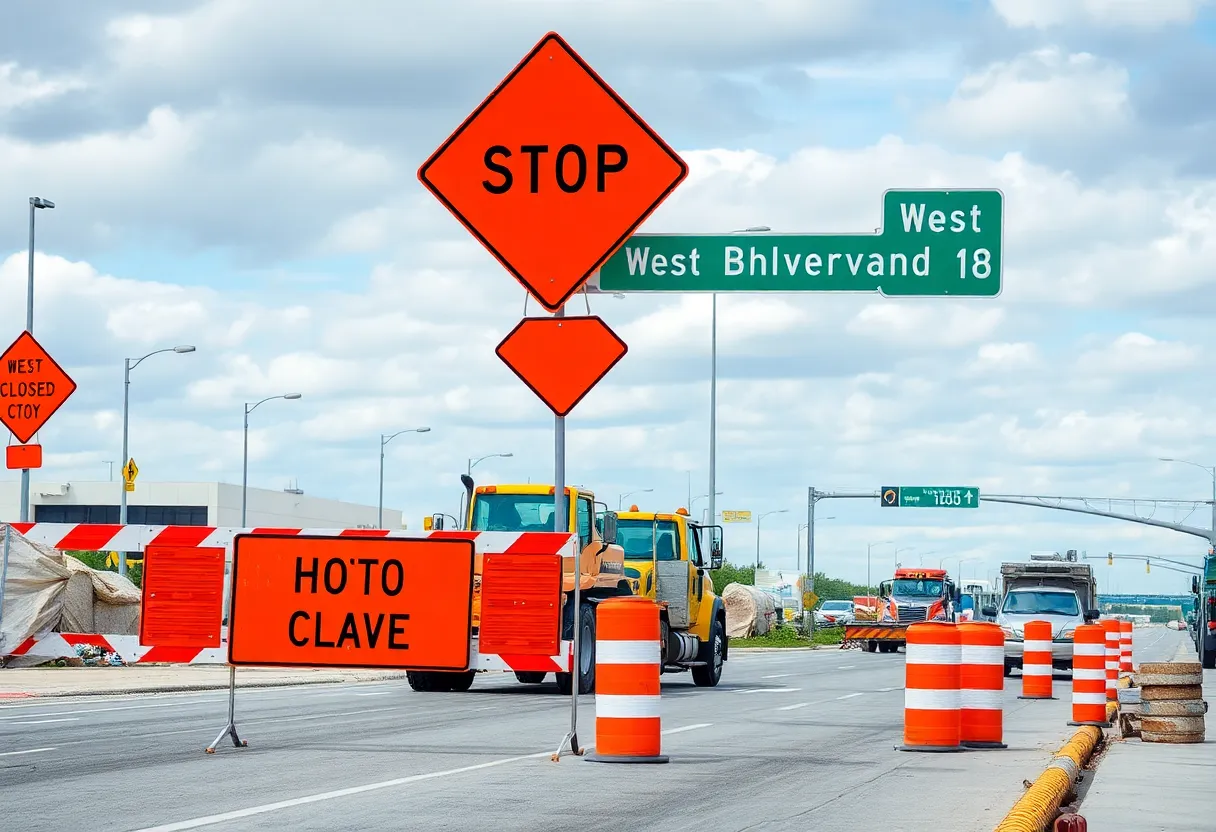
666,560
917,595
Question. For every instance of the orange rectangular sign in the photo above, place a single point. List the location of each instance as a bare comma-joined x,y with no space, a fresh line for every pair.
379,602
183,596
23,456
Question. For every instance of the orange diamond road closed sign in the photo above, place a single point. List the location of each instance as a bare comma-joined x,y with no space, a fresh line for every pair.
381,602
552,172
32,387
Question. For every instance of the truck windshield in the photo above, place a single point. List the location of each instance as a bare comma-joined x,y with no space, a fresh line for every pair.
916,586
1041,603
513,513
637,537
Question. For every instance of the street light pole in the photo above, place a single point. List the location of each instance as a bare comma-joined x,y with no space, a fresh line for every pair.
621,497
1211,469
713,387
245,457
472,463
758,519
127,367
869,548
384,440
36,202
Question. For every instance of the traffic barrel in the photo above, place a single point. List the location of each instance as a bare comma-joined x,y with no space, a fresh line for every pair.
1111,628
932,701
982,685
1125,647
627,658
1036,661
1089,675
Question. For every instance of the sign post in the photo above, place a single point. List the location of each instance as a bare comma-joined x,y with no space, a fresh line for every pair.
551,173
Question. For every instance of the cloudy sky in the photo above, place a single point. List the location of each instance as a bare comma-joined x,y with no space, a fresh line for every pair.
241,175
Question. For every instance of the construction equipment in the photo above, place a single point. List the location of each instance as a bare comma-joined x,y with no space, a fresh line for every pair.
912,595
530,508
664,560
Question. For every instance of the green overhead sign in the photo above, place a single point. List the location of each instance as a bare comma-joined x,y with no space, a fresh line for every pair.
930,496
932,243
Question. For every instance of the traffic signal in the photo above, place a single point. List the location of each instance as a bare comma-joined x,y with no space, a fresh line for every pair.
1110,558
1146,567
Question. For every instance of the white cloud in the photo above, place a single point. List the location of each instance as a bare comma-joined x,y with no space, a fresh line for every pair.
1046,93
1044,14
19,87
1135,352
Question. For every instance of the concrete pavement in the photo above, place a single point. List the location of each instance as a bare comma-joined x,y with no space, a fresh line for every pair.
1148,787
803,740
85,681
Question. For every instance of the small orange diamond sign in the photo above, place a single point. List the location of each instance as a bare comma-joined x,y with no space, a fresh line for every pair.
561,359
32,387
553,172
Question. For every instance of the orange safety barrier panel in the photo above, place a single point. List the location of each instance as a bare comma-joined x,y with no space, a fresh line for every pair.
1089,675
1036,661
932,700
1125,647
627,721
1110,626
982,685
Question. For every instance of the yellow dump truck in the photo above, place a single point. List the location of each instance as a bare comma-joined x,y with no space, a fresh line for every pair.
665,560
530,508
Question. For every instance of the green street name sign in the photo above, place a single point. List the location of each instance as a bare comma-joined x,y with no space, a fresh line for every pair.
930,496
931,244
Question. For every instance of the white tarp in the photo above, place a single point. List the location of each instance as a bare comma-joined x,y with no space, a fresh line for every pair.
35,590
749,611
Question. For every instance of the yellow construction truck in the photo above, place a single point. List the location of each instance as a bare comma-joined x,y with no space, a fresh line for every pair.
530,508
664,560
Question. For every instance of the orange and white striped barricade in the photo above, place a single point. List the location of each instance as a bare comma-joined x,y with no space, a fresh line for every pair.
1125,648
1089,676
1110,626
932,698
627,657
1036,661
982,685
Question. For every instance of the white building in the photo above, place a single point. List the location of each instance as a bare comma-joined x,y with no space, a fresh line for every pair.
186,504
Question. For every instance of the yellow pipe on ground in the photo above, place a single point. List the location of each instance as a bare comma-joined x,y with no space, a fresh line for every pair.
1036,809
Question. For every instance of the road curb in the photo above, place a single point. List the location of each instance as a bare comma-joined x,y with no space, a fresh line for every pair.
182,688
1036,809
774,649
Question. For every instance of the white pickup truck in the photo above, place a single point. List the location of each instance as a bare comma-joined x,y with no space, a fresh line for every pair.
1052,588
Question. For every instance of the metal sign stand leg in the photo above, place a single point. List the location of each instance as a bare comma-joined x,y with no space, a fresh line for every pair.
230,728
561,523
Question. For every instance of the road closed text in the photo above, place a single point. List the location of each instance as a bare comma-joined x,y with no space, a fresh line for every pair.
323,601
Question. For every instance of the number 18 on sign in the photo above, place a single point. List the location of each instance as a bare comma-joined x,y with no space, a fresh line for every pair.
930,496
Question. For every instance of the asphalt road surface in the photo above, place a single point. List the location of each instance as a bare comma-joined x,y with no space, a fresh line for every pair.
799,740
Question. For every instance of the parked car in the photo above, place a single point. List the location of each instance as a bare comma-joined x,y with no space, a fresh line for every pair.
832,613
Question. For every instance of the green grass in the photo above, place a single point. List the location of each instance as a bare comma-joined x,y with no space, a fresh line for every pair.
790,637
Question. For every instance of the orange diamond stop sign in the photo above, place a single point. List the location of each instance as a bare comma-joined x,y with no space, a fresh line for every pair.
561,359
553,172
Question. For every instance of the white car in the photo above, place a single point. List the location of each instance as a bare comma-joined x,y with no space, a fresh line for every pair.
832,613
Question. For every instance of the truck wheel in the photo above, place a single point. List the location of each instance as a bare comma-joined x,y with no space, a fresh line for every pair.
586,657
530,677
1209,659
709,674
459,682
428,682
871,646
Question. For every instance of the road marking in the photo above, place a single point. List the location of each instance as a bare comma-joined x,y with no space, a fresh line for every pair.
842,667
793,707
887,690
776,676
26,751
684,728
770,690
46,721
209,820
383,692
850,695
